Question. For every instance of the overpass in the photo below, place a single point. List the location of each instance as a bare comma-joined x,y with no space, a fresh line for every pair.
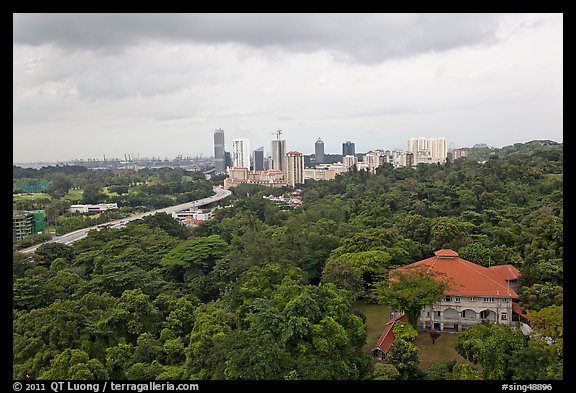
82,233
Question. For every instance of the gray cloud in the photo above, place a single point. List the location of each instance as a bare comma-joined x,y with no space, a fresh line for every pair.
159,84
354,37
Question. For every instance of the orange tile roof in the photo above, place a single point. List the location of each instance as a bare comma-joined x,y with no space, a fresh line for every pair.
387,337
518,309
506,272
467,278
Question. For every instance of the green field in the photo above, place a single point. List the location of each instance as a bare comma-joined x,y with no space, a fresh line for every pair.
74,195
37,195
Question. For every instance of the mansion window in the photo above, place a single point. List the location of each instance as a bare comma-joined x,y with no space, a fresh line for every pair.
472,299
489,300
458,299
504,316
484,314
448,299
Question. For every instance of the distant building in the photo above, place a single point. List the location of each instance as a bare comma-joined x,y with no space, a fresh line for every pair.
219,153
278,153
26,223
459,153
99,208
428,150
398,158
192,217
270,178
324,172
319,151
258,159
228,159
348,149
409,159
373,160
294,168
349,161
241,152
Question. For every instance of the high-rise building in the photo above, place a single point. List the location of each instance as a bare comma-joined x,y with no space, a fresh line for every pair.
278,153
428,150
319,151
241,153
228,160
258,159
348,149
349,161
219,153
294,168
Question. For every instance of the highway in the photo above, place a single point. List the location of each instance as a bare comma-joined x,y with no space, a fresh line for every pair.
82,233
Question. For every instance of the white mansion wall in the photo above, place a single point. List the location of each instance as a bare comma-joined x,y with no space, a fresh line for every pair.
460,312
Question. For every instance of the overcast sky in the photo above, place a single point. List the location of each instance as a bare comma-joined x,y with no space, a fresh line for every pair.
158,85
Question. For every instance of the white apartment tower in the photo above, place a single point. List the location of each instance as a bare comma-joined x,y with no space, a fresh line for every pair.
241,152
428,150
294,168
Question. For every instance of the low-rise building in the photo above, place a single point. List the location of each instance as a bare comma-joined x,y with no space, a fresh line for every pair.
26,223
192,217
475,293
99,208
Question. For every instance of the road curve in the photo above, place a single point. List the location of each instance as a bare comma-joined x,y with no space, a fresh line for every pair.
82,233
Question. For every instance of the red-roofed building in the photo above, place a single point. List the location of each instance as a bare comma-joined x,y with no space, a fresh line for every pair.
475,293
387,337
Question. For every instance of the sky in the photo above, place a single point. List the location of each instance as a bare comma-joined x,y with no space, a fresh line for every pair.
88,86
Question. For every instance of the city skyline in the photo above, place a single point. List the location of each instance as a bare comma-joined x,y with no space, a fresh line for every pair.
158,85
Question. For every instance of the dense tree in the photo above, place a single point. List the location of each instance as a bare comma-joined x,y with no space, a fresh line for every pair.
344,275
266,292
74,364
404,356
492,346
409,290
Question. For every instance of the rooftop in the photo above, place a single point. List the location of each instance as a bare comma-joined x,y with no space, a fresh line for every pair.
466,278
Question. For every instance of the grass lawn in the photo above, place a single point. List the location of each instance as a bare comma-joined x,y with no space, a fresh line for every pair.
376,319
442,349
107,192
74,195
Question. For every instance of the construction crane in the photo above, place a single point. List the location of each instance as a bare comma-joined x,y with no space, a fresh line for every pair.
278,133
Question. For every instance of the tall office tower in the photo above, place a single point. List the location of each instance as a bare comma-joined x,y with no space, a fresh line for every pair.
278,153
428,150
294,168
228,160
319,151
258,159
348,149
241,153
219,154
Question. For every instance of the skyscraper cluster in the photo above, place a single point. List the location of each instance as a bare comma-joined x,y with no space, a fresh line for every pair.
279,169
287,168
